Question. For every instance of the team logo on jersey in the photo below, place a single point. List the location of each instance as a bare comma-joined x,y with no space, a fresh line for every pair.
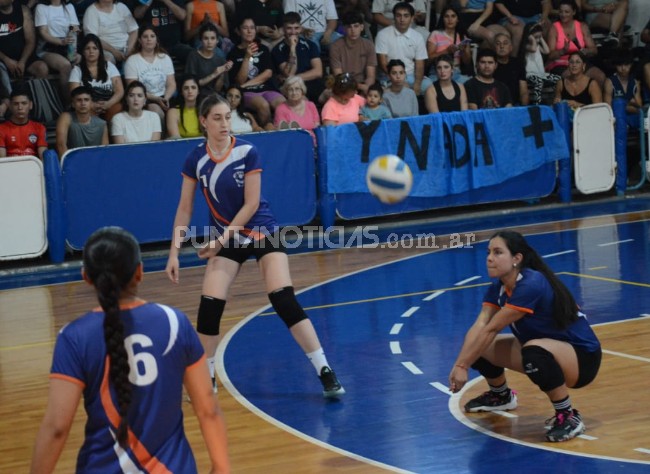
33,138
238,176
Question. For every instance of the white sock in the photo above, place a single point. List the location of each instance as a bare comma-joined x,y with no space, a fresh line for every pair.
318,359
211,366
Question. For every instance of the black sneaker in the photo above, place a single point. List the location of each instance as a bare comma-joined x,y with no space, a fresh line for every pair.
490,401
332,388
566,425
611,40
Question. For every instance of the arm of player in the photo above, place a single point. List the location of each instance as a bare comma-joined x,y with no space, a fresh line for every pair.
62,402
181,221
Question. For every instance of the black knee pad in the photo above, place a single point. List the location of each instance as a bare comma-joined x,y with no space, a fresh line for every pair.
286,305
209,318
542,368
487,369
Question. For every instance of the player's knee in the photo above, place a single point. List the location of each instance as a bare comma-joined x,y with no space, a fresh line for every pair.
209,317
542,368
487,369
286,305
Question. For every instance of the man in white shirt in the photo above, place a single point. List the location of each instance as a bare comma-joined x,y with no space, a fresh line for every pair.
400,41
382,14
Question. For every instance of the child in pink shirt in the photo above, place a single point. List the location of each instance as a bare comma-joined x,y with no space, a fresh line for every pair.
345,104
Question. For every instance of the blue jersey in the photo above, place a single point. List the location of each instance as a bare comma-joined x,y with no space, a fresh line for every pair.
222,185
161,345
534,296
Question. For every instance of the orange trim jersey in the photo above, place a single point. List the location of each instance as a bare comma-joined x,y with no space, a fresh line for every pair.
222,185
161,345
22,140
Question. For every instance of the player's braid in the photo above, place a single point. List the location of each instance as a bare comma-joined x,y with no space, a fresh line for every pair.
108,293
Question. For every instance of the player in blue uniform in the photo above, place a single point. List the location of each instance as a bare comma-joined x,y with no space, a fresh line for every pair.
129,359
552,342
228,171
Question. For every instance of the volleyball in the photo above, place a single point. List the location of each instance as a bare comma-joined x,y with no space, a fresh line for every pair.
389,179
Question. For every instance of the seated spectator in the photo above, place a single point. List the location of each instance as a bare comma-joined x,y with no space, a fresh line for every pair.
609,15
252,71
297,56
401,42
319,20
448,39
17,46
297,111
578,89
200,12
136,125
4,101
567,36
354,54
478,17
168,17
516,15
80,128
100,76
510,70
240,120
344,7
645,37
183,119
401,101
267,15
345,104
208,63
623,85
54,20
20,136
375,109
445,95
483,90
150,65
532,54
383,15
111,21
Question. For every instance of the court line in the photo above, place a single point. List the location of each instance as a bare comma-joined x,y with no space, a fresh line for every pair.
558,253
395,348
627,356
397,327
411,367
607,244
611,280
409,312
642,450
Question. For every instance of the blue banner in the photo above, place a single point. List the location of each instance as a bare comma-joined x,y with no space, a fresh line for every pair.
448,153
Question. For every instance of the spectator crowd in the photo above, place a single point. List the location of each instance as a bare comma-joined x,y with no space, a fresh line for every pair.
137,71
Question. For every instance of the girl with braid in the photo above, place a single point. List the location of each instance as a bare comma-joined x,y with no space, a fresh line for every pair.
551,340
228,172
129,358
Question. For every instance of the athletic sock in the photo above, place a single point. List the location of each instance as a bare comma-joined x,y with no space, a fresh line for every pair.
211,366
562,405
502,390
318,359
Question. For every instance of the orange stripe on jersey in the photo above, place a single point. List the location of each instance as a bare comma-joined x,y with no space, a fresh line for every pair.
259,170
67,378
149,462
225,155
196,364
214,212
518,308
485,303
189,177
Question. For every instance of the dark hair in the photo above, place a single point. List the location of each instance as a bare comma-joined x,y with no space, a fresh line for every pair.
571,3
22,89
448,58
404,6
291,18
208,27
180,100
394,62
352,17
377,88
460,26
565,309
529,29
344,83
158,50
623,56
242,17
102,73
486,53
111,257
240,110
129,88
81,90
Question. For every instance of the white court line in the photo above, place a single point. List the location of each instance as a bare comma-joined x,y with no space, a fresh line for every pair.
412,368
642,450
395,347
467,280
396,329
628,356
587,437
433,295
409,312
615,243
557,253
505,414
443,388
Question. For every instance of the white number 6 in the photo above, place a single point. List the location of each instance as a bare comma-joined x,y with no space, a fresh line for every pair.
144,369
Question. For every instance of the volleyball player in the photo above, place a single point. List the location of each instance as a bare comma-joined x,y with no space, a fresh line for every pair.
228,171
129,359
551,340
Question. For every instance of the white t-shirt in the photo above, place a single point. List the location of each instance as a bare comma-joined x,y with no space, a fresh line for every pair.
100,89
135,129
408,46
113,27
313,13
58,19
153,75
